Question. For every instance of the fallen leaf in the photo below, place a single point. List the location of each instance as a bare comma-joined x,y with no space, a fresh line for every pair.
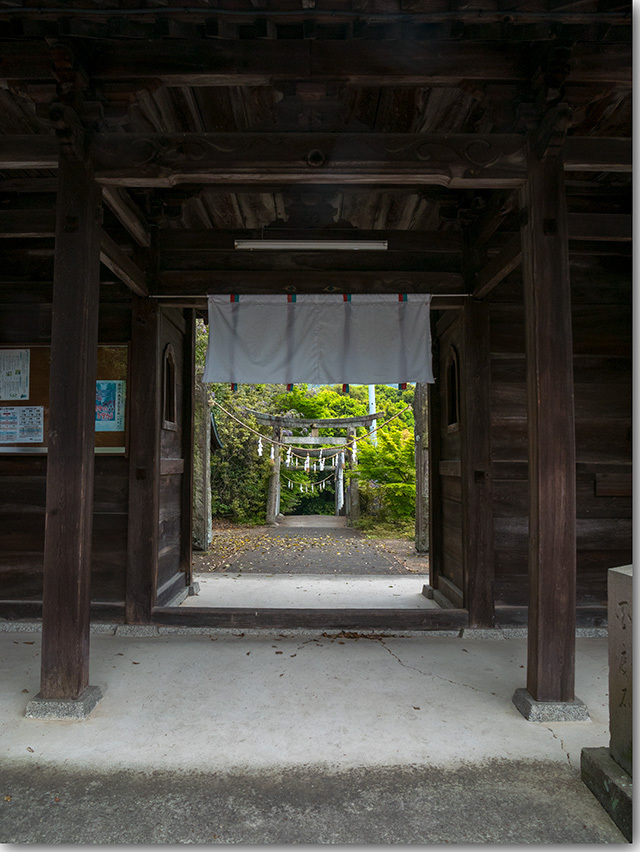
416,708
134,663
30,749
25,690
7,798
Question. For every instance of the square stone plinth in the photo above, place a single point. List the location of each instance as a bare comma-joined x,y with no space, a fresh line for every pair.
550,711
64,708
611,786
620,594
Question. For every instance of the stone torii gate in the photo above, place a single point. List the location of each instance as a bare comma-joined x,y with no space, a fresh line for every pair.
278,424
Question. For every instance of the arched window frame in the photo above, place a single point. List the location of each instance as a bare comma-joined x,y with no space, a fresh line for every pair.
452,391
169,393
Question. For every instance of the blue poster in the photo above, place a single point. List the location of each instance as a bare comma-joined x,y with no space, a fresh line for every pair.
110,399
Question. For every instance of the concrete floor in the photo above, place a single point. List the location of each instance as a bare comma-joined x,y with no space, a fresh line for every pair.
298,737
311,591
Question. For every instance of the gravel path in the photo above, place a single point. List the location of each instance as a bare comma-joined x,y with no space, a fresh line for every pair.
313,544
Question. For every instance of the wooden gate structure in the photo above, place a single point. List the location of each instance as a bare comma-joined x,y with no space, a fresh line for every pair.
491,149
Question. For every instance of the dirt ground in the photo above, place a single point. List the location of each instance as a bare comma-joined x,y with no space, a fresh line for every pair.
312,549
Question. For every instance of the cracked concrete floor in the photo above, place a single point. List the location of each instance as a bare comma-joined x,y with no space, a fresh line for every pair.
362,720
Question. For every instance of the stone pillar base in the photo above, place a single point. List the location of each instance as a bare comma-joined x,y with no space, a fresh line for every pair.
64,708
549,711
611,786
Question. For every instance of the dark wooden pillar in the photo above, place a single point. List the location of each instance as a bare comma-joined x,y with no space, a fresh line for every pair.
144,462
552,495
72,394
421,433
477,508
435,414
188,429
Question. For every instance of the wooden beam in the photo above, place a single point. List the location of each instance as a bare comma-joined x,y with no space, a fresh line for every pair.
128,214
166,159
600,227
508,259
181,284
477,493
324,619
456,160
597,154
122,266
34,151
551,426
302,262
72,386
366,62
144,462
27,224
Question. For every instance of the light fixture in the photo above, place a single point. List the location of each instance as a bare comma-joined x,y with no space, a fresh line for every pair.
311,245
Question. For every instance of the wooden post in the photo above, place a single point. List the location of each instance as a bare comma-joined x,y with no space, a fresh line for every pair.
421,434
354,491
72,394
188,429
477,508
144,462
434,450
273,497
552,455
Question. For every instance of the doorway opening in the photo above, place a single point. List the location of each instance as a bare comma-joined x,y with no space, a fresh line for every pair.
338,494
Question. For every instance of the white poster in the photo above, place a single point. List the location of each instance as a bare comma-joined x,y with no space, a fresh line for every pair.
21,424
14,374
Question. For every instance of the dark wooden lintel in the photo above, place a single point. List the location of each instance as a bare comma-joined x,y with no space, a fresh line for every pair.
597,154
221,62
454,160
200,283
457,160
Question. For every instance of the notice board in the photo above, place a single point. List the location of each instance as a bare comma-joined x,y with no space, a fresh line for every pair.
24,398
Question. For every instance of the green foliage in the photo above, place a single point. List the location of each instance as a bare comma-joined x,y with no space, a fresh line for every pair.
239,477
386,473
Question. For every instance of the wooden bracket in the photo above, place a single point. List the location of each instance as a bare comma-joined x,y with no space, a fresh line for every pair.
552,133
69,131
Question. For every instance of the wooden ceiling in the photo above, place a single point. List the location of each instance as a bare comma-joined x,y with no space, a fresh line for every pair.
407,118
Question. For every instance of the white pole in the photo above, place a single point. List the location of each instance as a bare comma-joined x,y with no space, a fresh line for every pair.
372,410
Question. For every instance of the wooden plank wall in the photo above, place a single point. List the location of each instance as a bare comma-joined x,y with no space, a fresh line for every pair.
23,479
602,375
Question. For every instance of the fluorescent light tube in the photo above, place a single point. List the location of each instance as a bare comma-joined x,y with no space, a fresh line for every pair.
311,245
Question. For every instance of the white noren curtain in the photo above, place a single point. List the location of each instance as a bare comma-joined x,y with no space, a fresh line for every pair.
319,339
